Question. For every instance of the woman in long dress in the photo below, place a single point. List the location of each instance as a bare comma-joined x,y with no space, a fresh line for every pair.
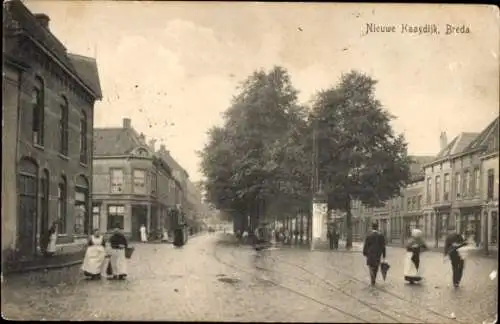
51,239
118,243
144,236
94,256
413,266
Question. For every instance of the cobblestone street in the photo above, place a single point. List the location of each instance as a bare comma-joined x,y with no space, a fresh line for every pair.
208,281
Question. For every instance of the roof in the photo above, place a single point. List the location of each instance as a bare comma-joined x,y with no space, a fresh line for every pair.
19,20
417,166
457,145
113,141
172,163
488,139
86,67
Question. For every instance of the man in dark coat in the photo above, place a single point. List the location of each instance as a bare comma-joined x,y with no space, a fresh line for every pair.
374,250
453,241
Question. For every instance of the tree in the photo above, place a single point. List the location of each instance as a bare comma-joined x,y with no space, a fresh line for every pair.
360,157
246,161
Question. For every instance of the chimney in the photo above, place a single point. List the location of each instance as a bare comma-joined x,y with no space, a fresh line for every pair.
163,148
142,138
152,143
127,123
43,19
443,140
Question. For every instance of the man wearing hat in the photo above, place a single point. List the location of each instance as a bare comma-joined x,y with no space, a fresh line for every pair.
453,242
374,251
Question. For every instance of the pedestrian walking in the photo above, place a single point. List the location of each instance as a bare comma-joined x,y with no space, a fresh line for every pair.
118,243
94,256
453,242
374,251
144,235
413,266
329,235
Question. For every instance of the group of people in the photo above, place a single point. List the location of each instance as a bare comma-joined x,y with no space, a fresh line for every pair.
106,256
374,250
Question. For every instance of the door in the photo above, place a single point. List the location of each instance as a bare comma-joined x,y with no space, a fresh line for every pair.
43,227
27,217
139,217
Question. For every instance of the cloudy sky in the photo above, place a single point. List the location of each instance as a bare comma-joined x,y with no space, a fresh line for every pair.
173,67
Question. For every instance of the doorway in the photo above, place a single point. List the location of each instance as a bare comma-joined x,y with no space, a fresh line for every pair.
43,225
139,217
27,204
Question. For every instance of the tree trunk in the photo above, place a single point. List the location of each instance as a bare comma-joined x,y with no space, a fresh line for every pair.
348,225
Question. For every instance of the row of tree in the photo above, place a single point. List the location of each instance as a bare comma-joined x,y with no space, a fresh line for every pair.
264,158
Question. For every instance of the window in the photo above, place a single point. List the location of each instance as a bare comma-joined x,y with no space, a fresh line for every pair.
438,189
116,215
476,187
116,180
494,227
458,192
466,184
96,217
63,128
408,204
83,138
37,102
154,182
446,187
429,189
139,177
491,184
413,203
62,198
419,202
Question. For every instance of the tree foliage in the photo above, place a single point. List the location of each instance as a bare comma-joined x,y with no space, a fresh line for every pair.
360,157
248,162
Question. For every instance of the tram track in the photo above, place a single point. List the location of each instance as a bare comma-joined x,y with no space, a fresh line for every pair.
358,280
292,290
336,288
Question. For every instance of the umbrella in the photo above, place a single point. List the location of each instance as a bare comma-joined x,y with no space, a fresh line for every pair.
384,267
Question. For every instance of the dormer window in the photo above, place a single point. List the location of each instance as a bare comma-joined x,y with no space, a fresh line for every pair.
142,152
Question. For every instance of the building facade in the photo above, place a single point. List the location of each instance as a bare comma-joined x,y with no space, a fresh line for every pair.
455,186
53,93
133,186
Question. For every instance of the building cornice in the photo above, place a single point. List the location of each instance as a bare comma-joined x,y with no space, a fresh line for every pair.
452,157
489,156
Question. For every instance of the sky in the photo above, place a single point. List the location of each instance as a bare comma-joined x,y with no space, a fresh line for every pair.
173,67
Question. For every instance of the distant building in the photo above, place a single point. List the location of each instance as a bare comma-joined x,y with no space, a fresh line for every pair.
132,184
48,106
397,214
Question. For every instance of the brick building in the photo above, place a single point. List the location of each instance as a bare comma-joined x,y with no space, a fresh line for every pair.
132,184
459,188
49,97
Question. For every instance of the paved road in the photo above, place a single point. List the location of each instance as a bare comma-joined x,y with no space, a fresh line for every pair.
208,281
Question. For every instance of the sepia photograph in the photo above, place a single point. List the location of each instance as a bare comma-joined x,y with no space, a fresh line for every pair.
206,161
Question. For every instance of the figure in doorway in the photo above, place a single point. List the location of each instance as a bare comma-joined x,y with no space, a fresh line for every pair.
51,238
144,235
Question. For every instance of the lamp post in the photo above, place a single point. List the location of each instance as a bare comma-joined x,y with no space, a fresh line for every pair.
319,206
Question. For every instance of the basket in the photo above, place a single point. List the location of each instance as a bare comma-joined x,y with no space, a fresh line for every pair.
128,252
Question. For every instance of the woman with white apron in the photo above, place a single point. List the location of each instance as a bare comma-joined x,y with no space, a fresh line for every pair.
413,265
144,236
94,256
52,238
